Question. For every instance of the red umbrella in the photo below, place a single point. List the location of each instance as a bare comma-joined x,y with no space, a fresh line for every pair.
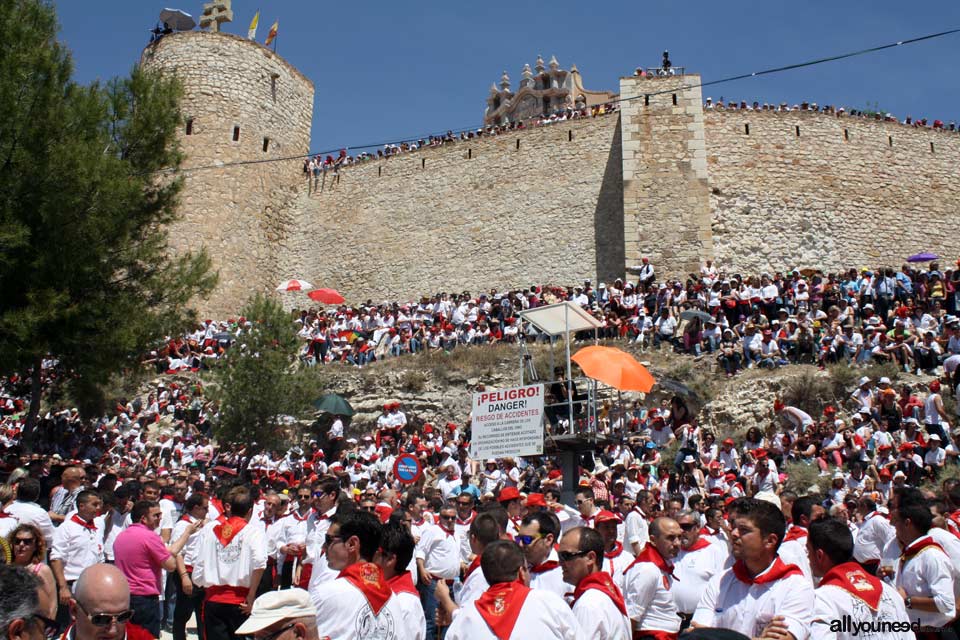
326,296
294,285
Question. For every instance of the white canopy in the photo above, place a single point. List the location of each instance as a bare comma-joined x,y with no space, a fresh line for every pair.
558,319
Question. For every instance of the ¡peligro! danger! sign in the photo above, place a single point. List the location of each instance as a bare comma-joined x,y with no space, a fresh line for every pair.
507,422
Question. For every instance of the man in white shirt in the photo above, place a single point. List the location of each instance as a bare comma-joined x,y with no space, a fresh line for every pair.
509,608
648,581
924,574
359,599
291,539
875,533
438,559
537,537
26,510
597,601
231,558
77,544
393,557
635,527
616,558
189,600
848,597
793,549
698,560
760,585
326,494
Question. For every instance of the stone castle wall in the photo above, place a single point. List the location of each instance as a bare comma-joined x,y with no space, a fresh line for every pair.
236,88
542,205
579,199
809,189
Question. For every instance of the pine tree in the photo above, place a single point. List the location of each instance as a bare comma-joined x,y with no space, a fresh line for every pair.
88,187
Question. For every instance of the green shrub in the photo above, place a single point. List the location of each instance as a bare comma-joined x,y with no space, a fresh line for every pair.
413,381
802,477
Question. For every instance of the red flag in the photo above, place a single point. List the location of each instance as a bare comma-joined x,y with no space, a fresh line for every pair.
272,34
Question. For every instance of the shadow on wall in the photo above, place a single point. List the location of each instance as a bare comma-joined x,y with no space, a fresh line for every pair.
608,217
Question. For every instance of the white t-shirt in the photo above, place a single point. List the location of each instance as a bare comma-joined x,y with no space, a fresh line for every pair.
834,603
694,569
343,613
544,616
748,608
649,601
77,546
595,612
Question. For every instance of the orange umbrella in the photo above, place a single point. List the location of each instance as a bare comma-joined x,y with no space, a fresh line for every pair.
614,367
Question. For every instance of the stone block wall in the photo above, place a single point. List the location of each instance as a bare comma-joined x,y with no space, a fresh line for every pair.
665,182
541,205
805,189
242,104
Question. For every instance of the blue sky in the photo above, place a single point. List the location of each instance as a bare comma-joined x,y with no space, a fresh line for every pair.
399,70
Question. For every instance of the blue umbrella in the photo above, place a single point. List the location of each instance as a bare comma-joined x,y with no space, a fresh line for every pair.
923,257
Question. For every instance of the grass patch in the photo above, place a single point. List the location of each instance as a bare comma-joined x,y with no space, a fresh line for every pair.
413,381
804,479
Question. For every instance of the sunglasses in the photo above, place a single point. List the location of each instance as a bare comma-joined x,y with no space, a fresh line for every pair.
106,619
690,526
19,541
442,517
526,541
329,540
579,502
49,626
567,556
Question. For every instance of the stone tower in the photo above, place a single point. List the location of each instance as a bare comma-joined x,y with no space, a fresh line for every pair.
242,105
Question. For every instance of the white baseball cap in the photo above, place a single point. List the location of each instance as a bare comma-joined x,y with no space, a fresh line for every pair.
274,606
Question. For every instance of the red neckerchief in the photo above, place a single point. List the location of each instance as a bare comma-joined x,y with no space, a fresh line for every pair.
403,583
228,529
449,532
601,582
776,571
850,577
4,514
471,568
953,523
617,550
650,554
545,566
420,522
296,516
500,606
368,578
796,533
468,521
92,526
701,543
914,548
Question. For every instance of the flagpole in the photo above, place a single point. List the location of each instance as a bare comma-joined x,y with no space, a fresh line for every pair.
275,42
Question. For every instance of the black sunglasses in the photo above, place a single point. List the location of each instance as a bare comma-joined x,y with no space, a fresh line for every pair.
105,619
690,526
567,556
49,626
329,540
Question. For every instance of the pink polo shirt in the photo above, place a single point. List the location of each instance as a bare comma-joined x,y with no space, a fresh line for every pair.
139,553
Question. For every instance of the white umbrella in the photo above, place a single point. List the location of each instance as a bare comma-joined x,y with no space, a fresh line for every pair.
177,20
294,285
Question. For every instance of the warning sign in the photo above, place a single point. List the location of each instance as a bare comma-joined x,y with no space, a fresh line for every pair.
508,422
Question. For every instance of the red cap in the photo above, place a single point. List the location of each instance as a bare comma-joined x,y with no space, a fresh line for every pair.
906,446
715,464
534,500
728,441
885,473
606,516
554,474
508,493
759,453
730,477
829,410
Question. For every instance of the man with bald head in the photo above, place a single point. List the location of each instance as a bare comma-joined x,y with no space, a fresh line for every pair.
100,606
648,580
64,498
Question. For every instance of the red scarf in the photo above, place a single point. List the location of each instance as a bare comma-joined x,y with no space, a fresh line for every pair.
953,523
403,583
650,554
449,532
471,568
468,521
185,518
914,548
543,567
601,582
796,533
227,530
850,577
500,606
92,526
701,543
776,571
368,578
617,550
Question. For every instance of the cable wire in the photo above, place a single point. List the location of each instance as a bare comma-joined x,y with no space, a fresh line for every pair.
743,76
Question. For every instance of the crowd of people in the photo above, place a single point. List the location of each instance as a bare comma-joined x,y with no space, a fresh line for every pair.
319,165
140,520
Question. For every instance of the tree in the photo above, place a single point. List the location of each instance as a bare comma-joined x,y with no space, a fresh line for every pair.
260,383
87,190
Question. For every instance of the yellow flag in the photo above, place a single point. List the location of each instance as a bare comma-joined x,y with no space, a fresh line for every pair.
252,31
272,34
